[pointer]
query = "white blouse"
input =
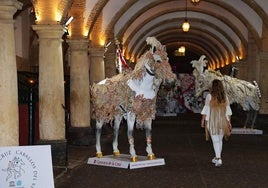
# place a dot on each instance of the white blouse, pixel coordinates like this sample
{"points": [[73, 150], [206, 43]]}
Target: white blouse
{"points": [[206, 108]]}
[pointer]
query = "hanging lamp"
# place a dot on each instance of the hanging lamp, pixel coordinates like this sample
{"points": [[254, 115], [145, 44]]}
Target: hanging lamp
{"points": [[185, 24]]}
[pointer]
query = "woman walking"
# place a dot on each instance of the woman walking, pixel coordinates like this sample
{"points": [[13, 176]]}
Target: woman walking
{"points": [[216, 116]]}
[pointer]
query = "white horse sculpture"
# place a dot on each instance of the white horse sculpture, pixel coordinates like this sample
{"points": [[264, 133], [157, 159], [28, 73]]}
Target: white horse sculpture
{"points": [[132, 96], [238, 91]]}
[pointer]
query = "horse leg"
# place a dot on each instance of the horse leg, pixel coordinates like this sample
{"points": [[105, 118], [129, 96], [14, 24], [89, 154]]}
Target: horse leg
{"points": [[254, 118], [117, 122], [148, 130], [130, 124], [247, 119], [99, 124]]}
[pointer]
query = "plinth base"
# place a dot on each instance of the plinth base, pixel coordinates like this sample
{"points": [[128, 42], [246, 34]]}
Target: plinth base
{"points": [[167, 114], [123, 161], [246, 131], [59, 151]]}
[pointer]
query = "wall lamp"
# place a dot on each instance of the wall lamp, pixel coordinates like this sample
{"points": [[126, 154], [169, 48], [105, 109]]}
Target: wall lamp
{"points": [[70, 19]]}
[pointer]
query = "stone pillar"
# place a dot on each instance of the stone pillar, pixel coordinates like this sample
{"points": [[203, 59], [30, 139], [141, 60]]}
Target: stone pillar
{"points": [[263, 82], [110, 64], [78, 133], [249, 68], [263, 67], [51, 91], [110, 57], [96, 62], [252, 61], [9, 126], [242, 70], [51, 82], [79, 84]]}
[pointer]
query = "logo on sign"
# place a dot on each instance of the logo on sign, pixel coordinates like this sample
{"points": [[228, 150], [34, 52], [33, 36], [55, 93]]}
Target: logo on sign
{"points": [[18, 169]]}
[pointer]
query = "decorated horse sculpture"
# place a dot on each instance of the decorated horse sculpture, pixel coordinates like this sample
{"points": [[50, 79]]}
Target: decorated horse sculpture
{"points": [[238, 91], [132, 96]]}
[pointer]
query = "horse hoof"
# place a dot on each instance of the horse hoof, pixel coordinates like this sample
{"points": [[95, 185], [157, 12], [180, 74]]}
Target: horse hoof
{"points": [[99, 155], [134, 159], [116, 153], [151, 157]]}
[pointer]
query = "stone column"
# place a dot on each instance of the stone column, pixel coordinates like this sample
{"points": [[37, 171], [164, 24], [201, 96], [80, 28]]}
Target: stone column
{"points": [[51, 91], [51, 82], [110, 66], [9, 126], [263, 74], [79, 84], [110, 57], [252, 60], [78, 133], [242, 70], [263, 82], [249, 67], [96, 63]]}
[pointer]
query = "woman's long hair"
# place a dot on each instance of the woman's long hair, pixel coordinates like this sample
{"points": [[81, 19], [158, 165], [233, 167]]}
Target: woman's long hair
{"points": [[217, 91]]}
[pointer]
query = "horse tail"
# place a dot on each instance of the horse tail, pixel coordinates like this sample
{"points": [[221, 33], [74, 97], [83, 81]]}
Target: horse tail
{"points": [[257, 88]]}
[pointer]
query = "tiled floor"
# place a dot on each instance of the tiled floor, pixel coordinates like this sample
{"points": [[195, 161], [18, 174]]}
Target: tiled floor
{"points": [[181, 142]]}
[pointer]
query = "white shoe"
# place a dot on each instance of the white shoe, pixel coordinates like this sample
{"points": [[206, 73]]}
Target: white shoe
{"points": [[218, 162], [214, 160]]}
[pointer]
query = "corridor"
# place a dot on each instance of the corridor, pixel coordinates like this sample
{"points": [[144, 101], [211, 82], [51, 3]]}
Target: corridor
{"points": [[181, 142]]}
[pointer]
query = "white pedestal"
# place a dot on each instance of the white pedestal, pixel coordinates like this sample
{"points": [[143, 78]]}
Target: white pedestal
{"points": [[123, 161], [246, 131], [167, 114]]}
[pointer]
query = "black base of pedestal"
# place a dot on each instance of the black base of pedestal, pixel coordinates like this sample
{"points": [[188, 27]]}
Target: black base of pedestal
{"points": [[59, 151], [81, 136]]}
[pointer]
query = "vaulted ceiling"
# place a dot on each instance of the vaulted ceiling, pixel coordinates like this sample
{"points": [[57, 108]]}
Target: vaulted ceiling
{"points": [[220, 29]]}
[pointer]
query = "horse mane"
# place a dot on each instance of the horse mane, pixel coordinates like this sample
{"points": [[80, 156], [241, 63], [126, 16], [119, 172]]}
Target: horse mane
{"points": [[216, 73], [242, 92], [154, 43], [139, 70]]}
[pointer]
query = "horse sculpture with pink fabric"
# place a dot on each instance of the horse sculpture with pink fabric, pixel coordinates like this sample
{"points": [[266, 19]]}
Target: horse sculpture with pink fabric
{"points": [[132, 96]]}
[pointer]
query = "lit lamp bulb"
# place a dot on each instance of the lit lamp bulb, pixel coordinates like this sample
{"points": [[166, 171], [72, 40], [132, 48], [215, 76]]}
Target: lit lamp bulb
{"points": [[195, 2], [181, 49], [185, 26]]}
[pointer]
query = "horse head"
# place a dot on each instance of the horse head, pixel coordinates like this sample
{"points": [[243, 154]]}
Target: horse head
{"points": [[18, 162], [160, 63]]}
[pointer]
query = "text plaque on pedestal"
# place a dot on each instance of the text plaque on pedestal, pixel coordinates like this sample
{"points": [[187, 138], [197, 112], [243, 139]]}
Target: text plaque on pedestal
{"points": [[123, 161]]}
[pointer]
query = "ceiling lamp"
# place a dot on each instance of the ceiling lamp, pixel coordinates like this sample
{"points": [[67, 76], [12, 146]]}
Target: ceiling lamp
{"points": [[185, 24], [195, 2], [180, 51]]}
